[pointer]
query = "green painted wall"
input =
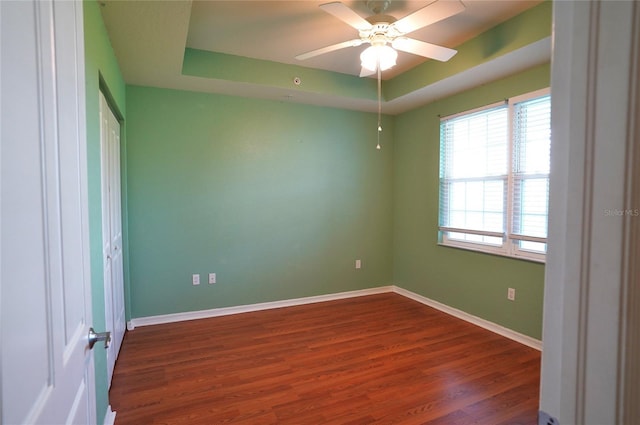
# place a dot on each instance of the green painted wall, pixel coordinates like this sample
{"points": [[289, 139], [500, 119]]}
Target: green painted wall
{"points": [[473, 282], [279, 199], [100, 64]]}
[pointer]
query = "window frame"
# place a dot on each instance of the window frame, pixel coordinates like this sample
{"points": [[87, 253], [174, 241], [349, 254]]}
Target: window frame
{"points": [[510, 240]]}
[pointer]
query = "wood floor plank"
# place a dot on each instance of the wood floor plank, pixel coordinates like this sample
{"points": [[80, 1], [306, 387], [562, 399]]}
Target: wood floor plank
{"points": [[379, 359]]}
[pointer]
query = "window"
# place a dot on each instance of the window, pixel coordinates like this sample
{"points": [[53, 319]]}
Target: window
{"points": [[494, 177]]}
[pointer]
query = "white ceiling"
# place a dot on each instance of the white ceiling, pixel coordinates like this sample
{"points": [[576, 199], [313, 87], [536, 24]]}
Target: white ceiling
{"points": [[149, 38]]}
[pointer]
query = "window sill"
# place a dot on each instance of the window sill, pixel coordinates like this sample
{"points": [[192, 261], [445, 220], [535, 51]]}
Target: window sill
{"points": [[491, 251]]}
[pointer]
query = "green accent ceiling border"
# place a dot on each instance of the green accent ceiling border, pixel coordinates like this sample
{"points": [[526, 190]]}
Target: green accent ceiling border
{"points": [[529, 27], [221, 66]]}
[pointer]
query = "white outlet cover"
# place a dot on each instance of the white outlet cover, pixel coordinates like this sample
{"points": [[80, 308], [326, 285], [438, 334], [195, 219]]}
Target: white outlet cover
{"points": [[358, 264], [195, 279], [212, 278]]}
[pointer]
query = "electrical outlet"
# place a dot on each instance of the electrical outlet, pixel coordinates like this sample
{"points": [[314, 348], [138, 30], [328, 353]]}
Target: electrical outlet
{"points": [[212, 278], [358, 264], [511, 294], [195, 279]]}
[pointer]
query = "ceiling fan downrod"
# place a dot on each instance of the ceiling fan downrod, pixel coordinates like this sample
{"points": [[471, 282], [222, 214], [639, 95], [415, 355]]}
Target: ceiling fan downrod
{"points": [[378, 6]]}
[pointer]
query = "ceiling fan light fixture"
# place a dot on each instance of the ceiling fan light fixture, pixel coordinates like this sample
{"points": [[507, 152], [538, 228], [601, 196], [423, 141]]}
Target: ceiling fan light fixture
{"points": [[384, 55]]}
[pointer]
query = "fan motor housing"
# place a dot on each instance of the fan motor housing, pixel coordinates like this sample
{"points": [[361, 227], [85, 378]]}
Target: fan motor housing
{"points": [[381, 26]]}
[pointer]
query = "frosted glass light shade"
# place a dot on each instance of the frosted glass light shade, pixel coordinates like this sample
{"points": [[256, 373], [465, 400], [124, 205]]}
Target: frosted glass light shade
{"points": [[386, 54]]}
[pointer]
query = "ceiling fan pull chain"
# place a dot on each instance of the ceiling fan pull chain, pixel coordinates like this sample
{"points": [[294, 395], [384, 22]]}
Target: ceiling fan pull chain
{"points": [[379, 104]]}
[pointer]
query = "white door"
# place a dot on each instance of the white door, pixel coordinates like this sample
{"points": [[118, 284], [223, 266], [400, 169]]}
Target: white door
{"points": [[112, 231], [47, 368]]}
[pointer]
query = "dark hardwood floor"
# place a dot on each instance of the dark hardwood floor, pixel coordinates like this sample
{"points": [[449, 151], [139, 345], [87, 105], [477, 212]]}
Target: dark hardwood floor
{"points": [[379, 359]]}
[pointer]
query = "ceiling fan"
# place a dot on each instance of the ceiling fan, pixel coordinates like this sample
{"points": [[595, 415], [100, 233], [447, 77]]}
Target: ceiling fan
{"points": [[386, 34]]}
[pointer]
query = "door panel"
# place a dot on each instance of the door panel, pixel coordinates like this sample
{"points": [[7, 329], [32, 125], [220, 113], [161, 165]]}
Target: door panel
{"points": [[47, 369], [119, 325], [23, 284]]}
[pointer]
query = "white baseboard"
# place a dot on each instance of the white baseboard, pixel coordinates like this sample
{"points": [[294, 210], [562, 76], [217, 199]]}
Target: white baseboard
{"points": [[493, 327], [224, 311], [110, 416]]}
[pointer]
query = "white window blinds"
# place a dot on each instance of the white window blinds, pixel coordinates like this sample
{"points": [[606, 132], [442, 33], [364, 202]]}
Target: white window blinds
{"points": [[473, 175], [532, 144], [494, 177]]}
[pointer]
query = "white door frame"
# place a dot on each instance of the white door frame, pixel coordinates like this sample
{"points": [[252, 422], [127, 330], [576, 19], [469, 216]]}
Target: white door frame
{"points": [[590, 373]]}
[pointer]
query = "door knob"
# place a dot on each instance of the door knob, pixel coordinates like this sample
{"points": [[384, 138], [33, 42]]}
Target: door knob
{"points": [[100, 336]]}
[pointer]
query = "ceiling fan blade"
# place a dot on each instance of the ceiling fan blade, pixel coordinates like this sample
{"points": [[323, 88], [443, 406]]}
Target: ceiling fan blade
{"points": [[351, 43], [364, 72], [345, 14], [420, 48], [431, 13]]}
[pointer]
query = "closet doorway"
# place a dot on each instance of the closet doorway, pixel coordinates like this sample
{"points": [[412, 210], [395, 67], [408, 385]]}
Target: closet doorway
{"points": [[112, 231]]}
